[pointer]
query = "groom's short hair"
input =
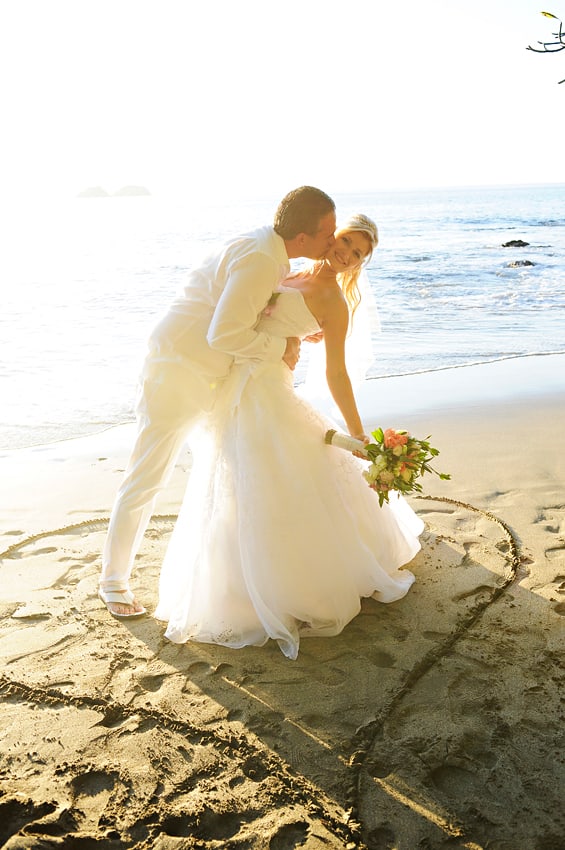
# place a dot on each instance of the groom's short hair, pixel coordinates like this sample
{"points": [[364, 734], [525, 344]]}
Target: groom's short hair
{"points": [[301, 211]]}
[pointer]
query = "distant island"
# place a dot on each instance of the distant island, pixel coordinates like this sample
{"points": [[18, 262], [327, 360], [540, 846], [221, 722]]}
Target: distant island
{"points": [[125, 191], [132, 190], [94, 192]]}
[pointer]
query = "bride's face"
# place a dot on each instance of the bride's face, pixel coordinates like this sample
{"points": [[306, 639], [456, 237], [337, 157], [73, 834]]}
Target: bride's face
{"points": [[349, 250]]}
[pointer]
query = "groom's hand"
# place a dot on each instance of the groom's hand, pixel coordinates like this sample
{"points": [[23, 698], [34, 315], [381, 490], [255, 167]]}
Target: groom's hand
{"points": [[292, 352]]}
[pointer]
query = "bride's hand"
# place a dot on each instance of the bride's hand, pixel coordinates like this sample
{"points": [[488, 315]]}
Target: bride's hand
{"points": [[317, 337], [365, 440]]}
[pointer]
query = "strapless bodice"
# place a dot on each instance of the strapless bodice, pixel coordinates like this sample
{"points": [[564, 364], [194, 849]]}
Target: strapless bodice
{"points": [[287, 315]]}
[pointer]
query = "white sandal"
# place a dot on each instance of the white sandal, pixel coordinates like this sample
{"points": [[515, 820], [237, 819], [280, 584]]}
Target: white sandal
{"points": [[120, 597]]}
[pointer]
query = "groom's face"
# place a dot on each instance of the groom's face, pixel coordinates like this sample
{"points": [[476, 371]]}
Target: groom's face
{"points": [[315, 247]]}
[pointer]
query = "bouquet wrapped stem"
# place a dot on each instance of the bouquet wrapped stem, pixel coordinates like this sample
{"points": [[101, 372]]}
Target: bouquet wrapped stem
{"points": [[397, 460], [344, 441]]}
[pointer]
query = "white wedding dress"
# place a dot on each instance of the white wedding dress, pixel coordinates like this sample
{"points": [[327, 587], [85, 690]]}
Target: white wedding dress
{"points": [[279, 535]]}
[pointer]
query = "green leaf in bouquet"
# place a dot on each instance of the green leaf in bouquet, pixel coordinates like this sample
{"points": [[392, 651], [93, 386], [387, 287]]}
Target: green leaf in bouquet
{"points": [[379, 435]]}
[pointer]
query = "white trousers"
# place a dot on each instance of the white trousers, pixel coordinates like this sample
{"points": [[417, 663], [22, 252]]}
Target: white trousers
{"points": [[172, 398]]}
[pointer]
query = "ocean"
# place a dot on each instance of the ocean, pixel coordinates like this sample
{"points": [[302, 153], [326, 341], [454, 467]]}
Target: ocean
{"points": [[84, 281]]}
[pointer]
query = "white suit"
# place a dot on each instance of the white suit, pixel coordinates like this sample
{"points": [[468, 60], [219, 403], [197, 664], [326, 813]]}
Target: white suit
{"points": [[207, 328]]}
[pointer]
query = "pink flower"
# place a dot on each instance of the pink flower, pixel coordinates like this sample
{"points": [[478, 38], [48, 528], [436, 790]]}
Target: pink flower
{"points": [[394, 438]]}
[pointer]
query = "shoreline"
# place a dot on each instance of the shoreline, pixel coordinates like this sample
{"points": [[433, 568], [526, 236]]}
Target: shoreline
{"points": [[85, 471], [432, 720], [438, 388]]}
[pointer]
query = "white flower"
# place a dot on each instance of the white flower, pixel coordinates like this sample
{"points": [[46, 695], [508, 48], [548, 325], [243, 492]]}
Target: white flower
{"points": [[378, 465], [372, 473]]}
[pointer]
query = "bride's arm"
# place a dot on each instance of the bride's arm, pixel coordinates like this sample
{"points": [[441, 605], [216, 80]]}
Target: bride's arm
{"points": [[335, 327]]}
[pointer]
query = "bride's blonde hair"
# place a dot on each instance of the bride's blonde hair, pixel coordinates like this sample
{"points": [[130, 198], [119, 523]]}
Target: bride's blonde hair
{"points": [[348, 281]]}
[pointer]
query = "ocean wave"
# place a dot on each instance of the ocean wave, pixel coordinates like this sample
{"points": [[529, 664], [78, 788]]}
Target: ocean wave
{"points": [[468, 364]]}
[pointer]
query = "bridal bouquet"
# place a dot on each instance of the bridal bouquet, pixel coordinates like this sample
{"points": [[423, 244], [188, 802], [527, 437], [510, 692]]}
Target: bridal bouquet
{"points": [[397, 460]]}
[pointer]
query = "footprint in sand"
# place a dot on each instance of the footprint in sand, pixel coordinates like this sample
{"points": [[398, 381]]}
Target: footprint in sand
{"points": [[255, 769], [560, 582], [554, 518], [16, 553], [197, 668], [265, 723], [377, 767], [455, 781], [382, 838], [482, 590], [554, 514], [504, 498], [152, 682], [380, 658], [289, 836], [31, 614], [15, 814], [86, 559], [207, 825], [91, 793], [224, 669]]}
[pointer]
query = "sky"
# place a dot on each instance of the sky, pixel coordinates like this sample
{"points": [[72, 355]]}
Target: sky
{"points": [[241, 98]]}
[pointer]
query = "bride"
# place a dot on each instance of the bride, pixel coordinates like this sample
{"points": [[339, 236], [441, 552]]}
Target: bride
{"points": [[279, 535]]}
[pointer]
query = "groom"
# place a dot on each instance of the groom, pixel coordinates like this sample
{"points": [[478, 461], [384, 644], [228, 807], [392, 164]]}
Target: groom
{"points": [[207, 328]]}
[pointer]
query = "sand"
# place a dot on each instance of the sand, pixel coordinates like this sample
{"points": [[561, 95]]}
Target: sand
{"points": [[434, 722]]}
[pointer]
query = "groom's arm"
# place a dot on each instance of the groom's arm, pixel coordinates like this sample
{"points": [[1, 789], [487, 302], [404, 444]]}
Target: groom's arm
{"points": [[249, 286]]}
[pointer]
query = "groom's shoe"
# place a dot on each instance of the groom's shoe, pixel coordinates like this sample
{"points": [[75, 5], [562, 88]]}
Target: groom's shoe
{"points": [[118, 600]]}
